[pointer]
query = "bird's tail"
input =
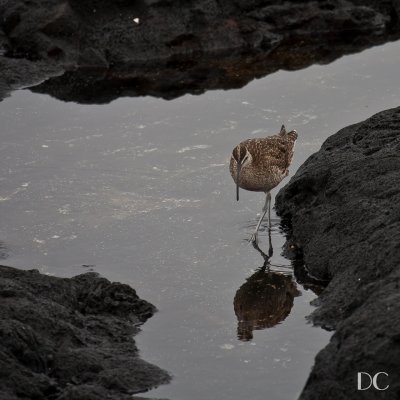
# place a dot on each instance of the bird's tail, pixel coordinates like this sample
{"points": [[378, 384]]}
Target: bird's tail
{"points": [[290, 138]]}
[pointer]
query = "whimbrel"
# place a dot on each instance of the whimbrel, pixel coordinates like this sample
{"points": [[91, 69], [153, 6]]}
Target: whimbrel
{"points": [[260, 164]]}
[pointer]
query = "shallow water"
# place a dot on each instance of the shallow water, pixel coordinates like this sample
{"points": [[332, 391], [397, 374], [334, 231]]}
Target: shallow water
{"points": [[139, 191]]}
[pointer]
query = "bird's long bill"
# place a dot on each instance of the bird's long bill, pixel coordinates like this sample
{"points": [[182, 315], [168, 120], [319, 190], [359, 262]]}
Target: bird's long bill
{"points": [[238, 167]]}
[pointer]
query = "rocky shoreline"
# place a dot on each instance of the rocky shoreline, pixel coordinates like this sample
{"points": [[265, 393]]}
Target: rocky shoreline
{"points": [[97, 51], [342, 206], [71, 338]]}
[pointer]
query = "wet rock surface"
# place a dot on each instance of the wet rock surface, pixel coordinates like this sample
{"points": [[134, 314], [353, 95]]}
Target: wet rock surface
{"points": [[170, 48], [343, 206], [71, 338]]}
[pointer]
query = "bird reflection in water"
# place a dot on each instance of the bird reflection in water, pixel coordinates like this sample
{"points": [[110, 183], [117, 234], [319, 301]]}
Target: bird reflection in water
{"points": [[265, 299]]}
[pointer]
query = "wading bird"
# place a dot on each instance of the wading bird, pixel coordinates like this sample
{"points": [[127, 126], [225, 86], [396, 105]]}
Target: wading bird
{"points": [[260, 164]]}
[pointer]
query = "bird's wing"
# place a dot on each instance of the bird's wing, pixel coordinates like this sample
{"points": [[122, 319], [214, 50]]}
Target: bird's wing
{"points": [[274, 151], [291, 138], [271, 151]]}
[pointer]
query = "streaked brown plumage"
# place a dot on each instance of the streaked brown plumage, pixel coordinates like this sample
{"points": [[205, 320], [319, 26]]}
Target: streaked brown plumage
{"points": [[260, 164]]}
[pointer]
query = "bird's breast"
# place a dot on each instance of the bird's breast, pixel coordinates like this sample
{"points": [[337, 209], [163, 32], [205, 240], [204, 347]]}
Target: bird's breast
{"points": [[254, 178]]}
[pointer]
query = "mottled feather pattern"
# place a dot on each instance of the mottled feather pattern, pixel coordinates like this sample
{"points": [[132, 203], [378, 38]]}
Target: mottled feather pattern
{"points": [[269, 162]]}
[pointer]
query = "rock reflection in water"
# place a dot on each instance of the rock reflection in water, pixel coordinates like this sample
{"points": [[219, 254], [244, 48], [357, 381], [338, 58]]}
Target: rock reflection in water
{"points": [[293, 252], [264, 300]]}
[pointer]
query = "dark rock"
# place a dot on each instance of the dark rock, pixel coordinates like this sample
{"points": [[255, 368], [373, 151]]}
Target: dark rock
{"points": [[71, 338], [170, 48], [344, 209], [19, 73]]}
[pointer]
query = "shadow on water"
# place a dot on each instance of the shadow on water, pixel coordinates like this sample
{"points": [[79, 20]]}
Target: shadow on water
{"points": [[267, 296]]}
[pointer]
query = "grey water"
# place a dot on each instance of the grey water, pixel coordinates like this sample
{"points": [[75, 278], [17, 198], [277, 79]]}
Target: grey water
{"points": [[139, 191]]}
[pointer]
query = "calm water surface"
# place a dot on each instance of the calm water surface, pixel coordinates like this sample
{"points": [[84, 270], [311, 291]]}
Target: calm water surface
{"points": [[139, 191]]}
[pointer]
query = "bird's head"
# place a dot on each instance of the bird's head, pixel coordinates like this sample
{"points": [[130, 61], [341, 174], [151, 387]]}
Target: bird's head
{"points": [[242, 157]]}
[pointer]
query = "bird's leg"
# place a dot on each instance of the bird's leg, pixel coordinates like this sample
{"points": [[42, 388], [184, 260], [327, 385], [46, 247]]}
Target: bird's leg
{"points": [[254, 236], [269, 210], [264, 256], [270, 249]]}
